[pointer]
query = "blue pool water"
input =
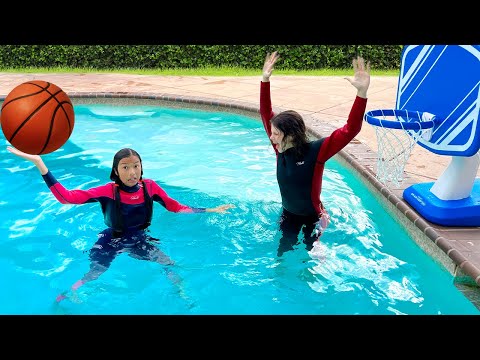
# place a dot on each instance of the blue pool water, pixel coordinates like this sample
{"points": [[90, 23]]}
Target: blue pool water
{"points": [[367, 263]]}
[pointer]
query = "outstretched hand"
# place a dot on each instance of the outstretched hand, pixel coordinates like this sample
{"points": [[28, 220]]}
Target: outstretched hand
{"points": [[361, 77], [270, 61], [35, 159], [221, 208], [29, 157]]}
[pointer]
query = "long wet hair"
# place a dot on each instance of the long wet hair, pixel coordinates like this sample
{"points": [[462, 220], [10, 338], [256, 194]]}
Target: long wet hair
{"points": [[291, 123], [122, 154]]}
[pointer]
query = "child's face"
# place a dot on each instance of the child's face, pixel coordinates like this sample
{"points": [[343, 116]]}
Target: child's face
{"points": [[129, 170]]}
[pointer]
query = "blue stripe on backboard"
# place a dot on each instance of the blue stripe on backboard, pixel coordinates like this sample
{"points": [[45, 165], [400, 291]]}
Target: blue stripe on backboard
{"points": [[444, 80]]}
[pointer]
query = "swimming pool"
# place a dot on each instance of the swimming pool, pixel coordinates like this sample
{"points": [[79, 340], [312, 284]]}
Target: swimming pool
{"points": [[368, 263]]}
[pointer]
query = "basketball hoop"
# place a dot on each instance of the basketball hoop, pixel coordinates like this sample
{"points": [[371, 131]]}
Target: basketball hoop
{"points": [[395, 147]]}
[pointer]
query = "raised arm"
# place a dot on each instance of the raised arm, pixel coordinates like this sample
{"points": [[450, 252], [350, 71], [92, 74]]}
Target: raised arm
{"points": [[268, 66], [265, 100], [342, 136], [361, 77], [62, 194]]}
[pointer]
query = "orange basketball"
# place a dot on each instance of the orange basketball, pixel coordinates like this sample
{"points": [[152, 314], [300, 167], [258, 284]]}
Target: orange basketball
{"points": [[37, 117]]}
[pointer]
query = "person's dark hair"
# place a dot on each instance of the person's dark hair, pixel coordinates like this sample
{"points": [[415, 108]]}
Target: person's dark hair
{"points": [[291, 123], [122, 154]]}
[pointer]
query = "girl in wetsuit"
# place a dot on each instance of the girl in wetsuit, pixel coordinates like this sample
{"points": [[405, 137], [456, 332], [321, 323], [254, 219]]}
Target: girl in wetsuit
{"points": [[127, 206], [300, 162]]}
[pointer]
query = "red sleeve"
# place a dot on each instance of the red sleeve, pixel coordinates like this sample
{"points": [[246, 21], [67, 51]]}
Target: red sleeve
{"points": [[159, 195], [65, 196], [266, 108], [339, 138]]}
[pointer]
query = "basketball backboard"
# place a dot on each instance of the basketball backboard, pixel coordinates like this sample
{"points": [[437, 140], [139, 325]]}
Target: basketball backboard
{"points": [[444, 80]]}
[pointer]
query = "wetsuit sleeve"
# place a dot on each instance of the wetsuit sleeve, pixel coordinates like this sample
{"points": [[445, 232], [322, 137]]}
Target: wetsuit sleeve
{"points": [[266, 111], [66, 196], [342, 136], [159, 195]]}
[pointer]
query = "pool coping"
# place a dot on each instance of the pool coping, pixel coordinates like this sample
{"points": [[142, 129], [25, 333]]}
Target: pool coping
{"points": [[464, 264]]}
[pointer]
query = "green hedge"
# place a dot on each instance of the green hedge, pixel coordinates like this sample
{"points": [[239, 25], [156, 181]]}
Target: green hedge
{"points": [[294, 57]]}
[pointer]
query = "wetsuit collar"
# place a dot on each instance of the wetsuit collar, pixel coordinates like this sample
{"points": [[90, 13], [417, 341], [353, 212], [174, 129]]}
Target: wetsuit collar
{"points": [[129, 189]]}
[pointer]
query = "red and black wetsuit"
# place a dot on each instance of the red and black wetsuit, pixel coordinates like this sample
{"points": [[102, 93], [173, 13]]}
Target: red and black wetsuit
{"points": [[134, 209], [300, 180]]}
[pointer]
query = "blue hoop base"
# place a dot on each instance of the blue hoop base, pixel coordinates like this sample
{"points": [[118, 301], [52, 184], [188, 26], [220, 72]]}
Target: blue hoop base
{"points": [[464, 212]]}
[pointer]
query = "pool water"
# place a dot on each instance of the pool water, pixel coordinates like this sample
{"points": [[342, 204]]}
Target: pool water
{"points": [[367, 263]]}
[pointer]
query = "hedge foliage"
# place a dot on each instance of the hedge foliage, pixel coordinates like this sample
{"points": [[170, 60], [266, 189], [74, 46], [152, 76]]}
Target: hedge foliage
{"points": [[294, 57]]}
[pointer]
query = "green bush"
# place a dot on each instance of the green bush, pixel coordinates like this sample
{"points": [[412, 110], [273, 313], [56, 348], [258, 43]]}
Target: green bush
{"points": [[102, 57]]}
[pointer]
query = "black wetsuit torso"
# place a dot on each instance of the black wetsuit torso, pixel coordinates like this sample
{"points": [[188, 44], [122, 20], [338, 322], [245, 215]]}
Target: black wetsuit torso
{"points": [[295, 177]]}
